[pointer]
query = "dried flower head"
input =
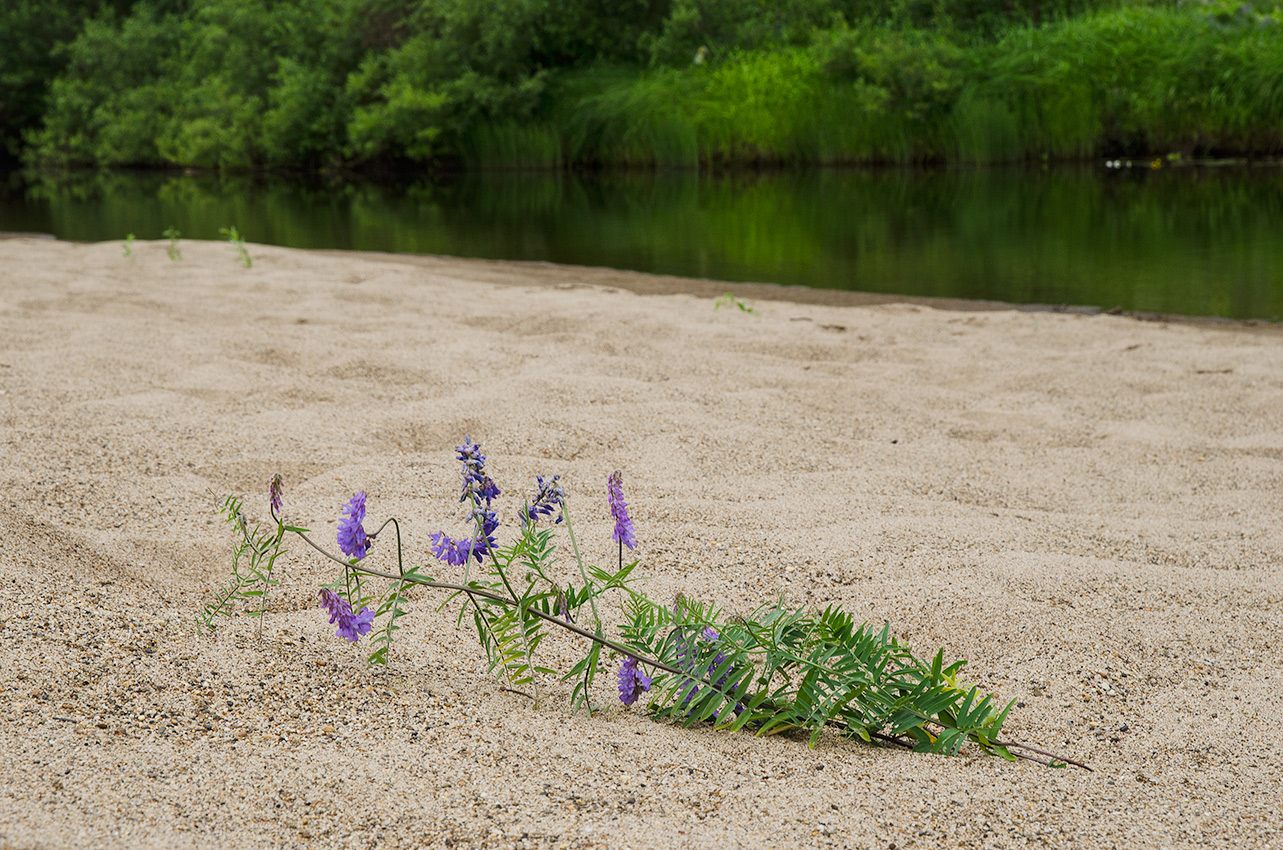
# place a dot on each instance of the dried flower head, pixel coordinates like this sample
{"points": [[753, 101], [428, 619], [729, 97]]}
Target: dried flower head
{"points": [[563, 605], [353, 541], [274, 495], [623, 533]]}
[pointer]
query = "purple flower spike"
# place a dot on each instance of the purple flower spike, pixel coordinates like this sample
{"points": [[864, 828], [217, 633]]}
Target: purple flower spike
{"points": [[483, 539], [274, 495], [548, 499], [351, 626], [623, 533], [632, 681], [456, 552], [353, 540], [334, 604], [451, 551], [356, 625], [477, 486]]}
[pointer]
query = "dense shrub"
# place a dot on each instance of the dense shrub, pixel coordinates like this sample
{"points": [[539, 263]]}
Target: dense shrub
{"points": [[230, 83], [32, 36]]}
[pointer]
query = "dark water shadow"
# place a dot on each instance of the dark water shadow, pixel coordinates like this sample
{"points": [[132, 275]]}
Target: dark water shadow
{"points": [[1192, 241]]}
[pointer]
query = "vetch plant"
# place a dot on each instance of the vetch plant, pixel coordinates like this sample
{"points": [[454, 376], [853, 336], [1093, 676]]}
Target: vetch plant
{"points": [[776, 669], [633, 681], [129, 245], [237, 244]]}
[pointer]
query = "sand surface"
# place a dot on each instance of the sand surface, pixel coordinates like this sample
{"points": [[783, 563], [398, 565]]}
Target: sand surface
{"points": [[1086, 507]]}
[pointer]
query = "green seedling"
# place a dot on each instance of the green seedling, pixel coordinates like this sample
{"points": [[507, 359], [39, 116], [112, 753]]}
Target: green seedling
{"points": [[172, 234], [728, 299], [238, 244]]}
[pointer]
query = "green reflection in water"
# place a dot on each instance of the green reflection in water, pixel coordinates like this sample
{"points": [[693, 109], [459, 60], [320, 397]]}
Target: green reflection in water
{"points": [[1197, 241]]}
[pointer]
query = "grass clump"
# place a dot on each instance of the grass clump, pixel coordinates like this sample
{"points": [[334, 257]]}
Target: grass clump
{"points": [[1130, 81]]}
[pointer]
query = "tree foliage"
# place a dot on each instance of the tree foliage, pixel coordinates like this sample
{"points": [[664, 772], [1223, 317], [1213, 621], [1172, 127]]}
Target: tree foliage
{"points": [[238, 84]]}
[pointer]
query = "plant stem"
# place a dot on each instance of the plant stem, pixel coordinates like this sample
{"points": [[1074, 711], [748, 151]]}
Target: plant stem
{"points": [[592, 596], [503, 600], [598, 638]]}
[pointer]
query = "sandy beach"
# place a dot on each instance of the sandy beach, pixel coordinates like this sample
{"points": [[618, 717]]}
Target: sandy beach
{"points": [[1086, 507]]}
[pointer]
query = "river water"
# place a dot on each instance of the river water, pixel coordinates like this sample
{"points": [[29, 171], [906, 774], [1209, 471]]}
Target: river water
{"points": [[1197, 240]]}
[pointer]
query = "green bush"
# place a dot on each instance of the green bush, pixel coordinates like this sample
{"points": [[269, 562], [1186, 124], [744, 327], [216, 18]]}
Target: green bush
{"points": [[109, 104], [232, 83], [626, 118], [711, 29], [477, 62], [921, 72], [30, 35]]}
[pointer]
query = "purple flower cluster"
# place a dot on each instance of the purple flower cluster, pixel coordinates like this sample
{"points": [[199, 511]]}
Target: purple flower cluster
{"points": [[456, 552], [351, 626], [688, 657], [549, 498], [274, 495], [353, 540], [481, 490], [477, 486], [623, 533], [632, 681]]}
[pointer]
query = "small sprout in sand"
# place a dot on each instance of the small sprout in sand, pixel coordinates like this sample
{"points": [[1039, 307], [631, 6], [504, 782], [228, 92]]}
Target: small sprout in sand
{"points": [[237, 244], [728, 299], [129, 245], [252, 562], [172, 234]]}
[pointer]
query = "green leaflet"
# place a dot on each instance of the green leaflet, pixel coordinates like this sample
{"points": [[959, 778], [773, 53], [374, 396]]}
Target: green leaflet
{"points": [[779, 669], [253, 559]]}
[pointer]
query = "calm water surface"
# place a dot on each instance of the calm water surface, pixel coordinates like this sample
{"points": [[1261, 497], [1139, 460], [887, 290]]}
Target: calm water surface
{"points": [[1198, 241]]}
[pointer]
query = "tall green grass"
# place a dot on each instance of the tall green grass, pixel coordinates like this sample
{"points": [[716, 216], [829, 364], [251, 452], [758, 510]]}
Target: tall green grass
{"points": [[1139, 80], [755, 108], [621, 117], [507, 144], [1135, 80]]}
